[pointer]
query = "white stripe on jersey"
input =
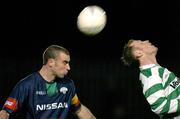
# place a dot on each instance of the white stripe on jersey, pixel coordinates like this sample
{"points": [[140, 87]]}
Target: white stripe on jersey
{"points": [[173, 106]]}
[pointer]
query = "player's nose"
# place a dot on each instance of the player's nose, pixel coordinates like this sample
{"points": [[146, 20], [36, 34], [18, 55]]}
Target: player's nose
{"points": [[68, 67], [147, 41]]}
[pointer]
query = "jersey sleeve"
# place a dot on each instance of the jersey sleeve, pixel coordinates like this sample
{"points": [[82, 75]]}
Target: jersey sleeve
{"points": [[75, 102], [16, 98]]}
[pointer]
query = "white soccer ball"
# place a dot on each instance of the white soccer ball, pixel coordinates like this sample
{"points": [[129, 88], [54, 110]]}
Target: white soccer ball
{"points": [[91, 20]]}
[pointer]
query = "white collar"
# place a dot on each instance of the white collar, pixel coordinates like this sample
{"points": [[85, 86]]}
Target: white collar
{"points": [[147, 66]]}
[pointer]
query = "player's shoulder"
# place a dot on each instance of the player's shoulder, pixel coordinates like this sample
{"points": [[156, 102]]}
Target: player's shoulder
{"points": [[67, 80], [28, 80]]}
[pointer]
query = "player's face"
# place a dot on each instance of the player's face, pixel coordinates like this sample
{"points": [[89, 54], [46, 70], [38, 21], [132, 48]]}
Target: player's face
{"points": [[61, 65], [144, 47]]}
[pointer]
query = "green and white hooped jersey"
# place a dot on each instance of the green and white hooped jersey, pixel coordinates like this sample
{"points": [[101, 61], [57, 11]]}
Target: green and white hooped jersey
{"points": [[161, 89]]}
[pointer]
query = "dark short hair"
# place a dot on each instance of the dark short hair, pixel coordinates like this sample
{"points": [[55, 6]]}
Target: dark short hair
{"points": [[52, 52], [127, 54]]}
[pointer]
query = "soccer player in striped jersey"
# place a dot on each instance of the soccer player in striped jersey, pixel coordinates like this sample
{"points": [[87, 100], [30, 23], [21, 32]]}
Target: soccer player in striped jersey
{"points": [[48, 93], [161, 87]]}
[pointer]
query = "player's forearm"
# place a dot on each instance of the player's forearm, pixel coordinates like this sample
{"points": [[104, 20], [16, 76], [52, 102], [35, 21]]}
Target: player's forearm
{"points": [[85, 113], [4, 114]]}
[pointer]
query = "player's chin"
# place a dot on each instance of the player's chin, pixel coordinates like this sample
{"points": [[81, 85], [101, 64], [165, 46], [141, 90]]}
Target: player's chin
{"points": [[61, 76], [156, 49]]}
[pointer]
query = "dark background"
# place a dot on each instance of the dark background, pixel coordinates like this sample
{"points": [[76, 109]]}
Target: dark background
{"points": [[107, 87]]}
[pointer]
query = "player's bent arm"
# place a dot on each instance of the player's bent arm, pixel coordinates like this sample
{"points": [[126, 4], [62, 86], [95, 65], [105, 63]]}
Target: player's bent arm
{"points": [[84, 113], [4, 114]]}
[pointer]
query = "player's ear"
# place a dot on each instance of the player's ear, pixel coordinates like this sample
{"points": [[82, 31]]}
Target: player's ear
{"points": [[138, 53], [51, 62]]}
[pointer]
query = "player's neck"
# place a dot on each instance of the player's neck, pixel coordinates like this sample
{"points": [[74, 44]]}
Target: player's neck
{"points": [[46, 74], [147, 60]]}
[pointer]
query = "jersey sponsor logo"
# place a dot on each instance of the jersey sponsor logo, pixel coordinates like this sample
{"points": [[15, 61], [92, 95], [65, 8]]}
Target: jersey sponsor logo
{"points": [[63, 90], [11, 103], [40, 92], [52, 106], [174, 84]]}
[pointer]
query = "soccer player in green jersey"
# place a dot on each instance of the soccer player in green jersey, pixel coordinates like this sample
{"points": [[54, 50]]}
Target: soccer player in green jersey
{"points": [[160, 86]]}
